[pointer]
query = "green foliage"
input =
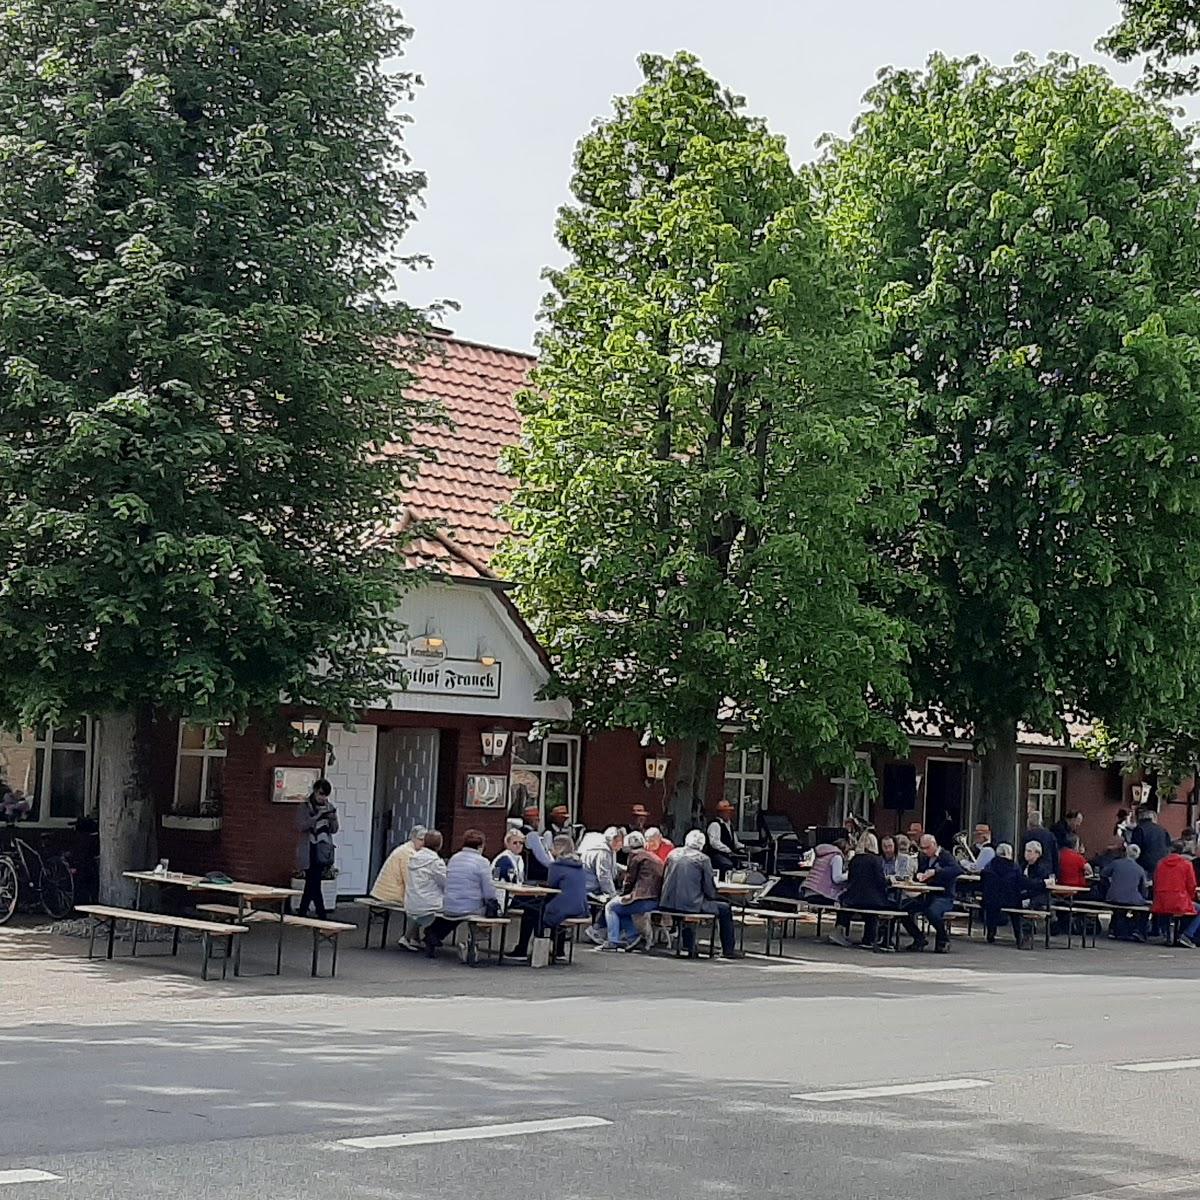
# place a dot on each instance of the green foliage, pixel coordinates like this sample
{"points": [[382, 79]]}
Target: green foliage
{"points": [[1165, 31], [1028, 235], [707, 445], [197, 201]]}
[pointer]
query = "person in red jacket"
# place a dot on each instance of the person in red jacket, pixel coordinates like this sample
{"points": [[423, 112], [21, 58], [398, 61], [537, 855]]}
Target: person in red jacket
{"points": [[1175, 892], [1073, 869]]}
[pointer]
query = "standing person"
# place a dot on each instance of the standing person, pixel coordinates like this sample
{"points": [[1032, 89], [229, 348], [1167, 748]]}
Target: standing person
{"points": [[1068, 826], [318, 821], [426, 891], [392, 881], [1125, 825], [657, 844], [537, 852], [1001, 883], [1151, 838], [1175, 895], [640, 891], [721, 844], [470, 892], [939, 869], [639, 818], [559, 825], [688, 887], [1037, 832]]}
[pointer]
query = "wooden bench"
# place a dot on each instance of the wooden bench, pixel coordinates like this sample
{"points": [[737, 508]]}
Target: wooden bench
{"points": [[670, 920], [1033, 916], [322, 931], [574, 927], [774, 923], [379, 910], [103, 914], [489, 925]]}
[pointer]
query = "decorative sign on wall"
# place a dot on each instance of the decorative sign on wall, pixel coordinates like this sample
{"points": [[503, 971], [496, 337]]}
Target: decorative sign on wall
{"points": [[452, 677], [292, 784], [486, 791]]}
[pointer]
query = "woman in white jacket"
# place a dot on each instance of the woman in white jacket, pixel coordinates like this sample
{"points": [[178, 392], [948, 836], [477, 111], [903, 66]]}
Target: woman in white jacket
{"points": [[425, 891]]}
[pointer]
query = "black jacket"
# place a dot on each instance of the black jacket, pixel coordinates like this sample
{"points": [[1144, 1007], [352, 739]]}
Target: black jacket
{"points": [[1048, 843], [1033, 886], [1003, 887], [946, 869], [866, 885], [1155, 844]]}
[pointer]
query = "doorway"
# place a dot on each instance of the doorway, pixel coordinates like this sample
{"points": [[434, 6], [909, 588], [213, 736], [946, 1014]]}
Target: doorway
{"points": [[945, 798], [406, 772]]}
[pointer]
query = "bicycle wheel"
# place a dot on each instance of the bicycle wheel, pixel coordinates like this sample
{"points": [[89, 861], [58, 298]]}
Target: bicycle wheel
{"points": [[9, 889], [58, 888]]}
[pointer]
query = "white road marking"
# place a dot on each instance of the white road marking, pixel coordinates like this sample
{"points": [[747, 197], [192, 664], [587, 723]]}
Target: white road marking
{"points": [[472, 1133], [1174, 1064], [893, 1089], [27, 1176]]}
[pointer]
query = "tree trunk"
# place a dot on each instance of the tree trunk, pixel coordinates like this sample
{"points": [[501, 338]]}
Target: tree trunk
{"points": [[999, 776], [684, 793], [127, 816]]}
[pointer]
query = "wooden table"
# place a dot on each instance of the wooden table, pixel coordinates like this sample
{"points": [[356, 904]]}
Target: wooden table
{"points": [[1062, 889], [530, 891], [248, 895], [917, 889], [740, 892]]}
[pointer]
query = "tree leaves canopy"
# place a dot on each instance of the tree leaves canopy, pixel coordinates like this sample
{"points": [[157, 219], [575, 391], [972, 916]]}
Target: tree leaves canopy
{"points": [[1029, 237], [197, 202], [707, 446], [1165, 31]]}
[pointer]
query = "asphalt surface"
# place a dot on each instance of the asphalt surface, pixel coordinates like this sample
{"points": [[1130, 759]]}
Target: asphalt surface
{"points": [[691, 1079]]}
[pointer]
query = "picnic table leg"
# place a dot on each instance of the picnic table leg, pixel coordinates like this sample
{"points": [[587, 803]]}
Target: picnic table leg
{"points": [[112, 934], [133, 944], [500, 956], [92, 939], [205, 947], [333, 965], [316, 946], [387, 920], [279, 941], [367, 938], [237, 954], [175, 943]]}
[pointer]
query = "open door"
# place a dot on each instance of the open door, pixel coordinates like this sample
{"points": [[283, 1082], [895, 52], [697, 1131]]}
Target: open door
{"points": [[406, 768]]}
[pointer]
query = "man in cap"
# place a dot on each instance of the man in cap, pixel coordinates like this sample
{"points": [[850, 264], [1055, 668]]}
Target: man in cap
{"points": [[722, 845]]}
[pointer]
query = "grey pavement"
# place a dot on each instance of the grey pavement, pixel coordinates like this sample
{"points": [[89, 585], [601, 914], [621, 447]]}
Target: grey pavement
{"points": [[135, 1079]]}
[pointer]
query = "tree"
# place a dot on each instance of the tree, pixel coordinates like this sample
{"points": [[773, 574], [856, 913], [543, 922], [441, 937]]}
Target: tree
{"points": [[1166, 31], [1029, 237], [197, 202], [707, 448]]}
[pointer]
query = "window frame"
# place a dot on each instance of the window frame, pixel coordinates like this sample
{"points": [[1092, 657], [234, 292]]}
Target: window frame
{"points": [[845, 786], [48, 745], [744, 776], [207, 754], [1036, 797], [544, 769]]}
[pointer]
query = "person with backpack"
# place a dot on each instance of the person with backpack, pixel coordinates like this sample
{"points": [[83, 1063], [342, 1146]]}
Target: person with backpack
{"points": [[318, 822]]}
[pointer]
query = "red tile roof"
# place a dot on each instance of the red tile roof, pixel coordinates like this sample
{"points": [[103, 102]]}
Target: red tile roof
{"points": [[461, 492]]}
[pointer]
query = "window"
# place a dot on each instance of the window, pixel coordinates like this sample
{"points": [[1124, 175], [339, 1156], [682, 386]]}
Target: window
{"points": [[849, 798], [52, 766], [200, 770], [746, 776], [544, 772], [1045, 783]]}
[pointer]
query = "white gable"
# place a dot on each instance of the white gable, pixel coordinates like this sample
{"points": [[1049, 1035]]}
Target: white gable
{"points": [[472, 622]]}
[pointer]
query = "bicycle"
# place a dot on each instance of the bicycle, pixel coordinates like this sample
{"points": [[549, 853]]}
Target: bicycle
{"points": [[25, 874]]}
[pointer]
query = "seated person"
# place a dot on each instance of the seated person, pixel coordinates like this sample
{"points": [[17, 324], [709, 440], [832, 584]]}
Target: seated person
{"points": [[392, 879], [1110, 854], [640, 891], [570, 878], [723, 846], [1001, 883], [1175, 894], [1073, 868], [982, 850], [598, 853], [470, 892], [939, 869], [425, 890], [866, 887], [827, 879], [688, 887], [657, 844], [887, 851], [906, 860], [1034, 890], [1126, 887], [509, 865]]}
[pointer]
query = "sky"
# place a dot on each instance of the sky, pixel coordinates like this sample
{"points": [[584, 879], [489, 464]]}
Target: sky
{"points": [[509, 88]]}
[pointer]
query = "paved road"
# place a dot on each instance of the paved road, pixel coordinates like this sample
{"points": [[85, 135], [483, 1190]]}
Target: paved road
{"points": [[698, 1080]]}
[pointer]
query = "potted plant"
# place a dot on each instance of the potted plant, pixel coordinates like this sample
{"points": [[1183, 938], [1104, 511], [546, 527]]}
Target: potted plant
{"points": [[329, 891]]}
